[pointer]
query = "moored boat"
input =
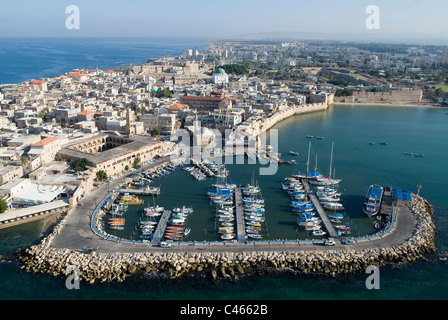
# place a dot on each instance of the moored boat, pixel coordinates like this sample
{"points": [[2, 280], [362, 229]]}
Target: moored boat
{"points": [[333, 206], [372, 201]]}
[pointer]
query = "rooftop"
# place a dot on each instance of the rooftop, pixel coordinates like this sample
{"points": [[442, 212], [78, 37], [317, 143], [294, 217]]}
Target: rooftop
{"points": [[44, 142]]}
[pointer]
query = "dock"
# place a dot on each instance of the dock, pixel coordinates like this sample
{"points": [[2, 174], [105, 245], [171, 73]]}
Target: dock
{"points": [[160, 230], [322, 214], [239, 216], [143, 192]]}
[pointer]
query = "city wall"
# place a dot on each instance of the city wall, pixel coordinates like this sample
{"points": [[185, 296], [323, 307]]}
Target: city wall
{"points": [[291, 111], [410, 96]]}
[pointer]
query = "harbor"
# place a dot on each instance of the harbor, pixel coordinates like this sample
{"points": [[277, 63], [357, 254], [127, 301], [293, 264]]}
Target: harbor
{"points": [[287, 245]]}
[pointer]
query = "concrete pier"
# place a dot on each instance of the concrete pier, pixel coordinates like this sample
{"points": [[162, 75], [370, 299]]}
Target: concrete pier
{"points": [[160, 230], [239, 215], [144, 192], [328, 225]]}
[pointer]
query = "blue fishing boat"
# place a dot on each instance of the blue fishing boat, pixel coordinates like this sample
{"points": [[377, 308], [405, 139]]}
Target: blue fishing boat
{"points": [[372, 201]]}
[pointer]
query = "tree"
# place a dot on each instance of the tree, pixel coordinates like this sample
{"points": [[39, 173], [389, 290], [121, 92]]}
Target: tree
{"points": [[235, 69], [24, 160], [3, 206], [101, 175], [80, 164], [137, 161], [343, 92], [155, 132]]}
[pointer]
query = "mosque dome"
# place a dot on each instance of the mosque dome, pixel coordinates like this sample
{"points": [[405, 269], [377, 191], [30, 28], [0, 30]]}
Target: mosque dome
{"points": [[220, 71]]}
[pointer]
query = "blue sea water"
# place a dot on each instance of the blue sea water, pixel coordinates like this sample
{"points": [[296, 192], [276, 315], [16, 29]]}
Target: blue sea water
{"points": [[33, 58], [359, 164]]}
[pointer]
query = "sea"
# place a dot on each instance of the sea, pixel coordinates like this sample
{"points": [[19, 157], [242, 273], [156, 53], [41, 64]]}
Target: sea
{"points": [[359, 162]]}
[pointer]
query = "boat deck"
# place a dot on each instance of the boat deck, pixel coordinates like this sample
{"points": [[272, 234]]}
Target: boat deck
{"points": [[322, 214]]}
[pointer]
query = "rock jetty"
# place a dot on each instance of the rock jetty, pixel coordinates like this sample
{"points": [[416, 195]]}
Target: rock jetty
{"points": [[97, 267]]}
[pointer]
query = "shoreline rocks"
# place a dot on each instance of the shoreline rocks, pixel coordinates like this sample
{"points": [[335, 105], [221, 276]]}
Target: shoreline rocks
{"points": [[97, 267]]}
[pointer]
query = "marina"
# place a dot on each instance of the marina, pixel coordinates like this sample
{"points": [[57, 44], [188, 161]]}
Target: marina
{"points": [[352, 227]]}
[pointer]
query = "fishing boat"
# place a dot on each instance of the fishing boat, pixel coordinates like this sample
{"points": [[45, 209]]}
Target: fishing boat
{"points": [[148, 223], [187, 231], [129, 200], [372, 201], [408, 154], [114, 227], [320, 137], [343, 227], [333, 206], [319, 232], [183, 210], [228, 236], [309, 136], [255, 236], [336, 216], [293, 153], [419, 155]]}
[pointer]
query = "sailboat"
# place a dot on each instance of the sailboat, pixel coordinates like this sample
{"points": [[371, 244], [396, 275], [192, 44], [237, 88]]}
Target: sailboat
{"points": [[309, 175], [326, 181]]}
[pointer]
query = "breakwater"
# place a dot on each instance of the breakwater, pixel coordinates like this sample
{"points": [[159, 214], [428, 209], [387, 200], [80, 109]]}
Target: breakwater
{"points": [[107, 267]]}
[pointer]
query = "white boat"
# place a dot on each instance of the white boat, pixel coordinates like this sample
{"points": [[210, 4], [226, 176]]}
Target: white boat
{"points": [[319, 232], [333, 206], [373, 199], [176, 222], [329, 199], [326, 181], [337, 216], [228, 236], [187, 231]]}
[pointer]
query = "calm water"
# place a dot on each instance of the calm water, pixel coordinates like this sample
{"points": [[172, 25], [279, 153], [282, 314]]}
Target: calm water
{"points": [[359, 164], [33, 58]]}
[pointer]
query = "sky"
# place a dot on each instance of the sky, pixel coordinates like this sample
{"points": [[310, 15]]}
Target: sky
{"points": [[223, 19]]}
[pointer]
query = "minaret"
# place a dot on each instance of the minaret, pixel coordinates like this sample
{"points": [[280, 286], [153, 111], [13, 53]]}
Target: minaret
{"points": [[129, 123]]}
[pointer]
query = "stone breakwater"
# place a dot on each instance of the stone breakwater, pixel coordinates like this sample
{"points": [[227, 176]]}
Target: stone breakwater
{"points": [[109, 267]]}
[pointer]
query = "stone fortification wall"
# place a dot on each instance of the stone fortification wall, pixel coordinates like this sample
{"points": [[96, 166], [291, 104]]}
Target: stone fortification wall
{"points": [[291, 111], [411, 96]]}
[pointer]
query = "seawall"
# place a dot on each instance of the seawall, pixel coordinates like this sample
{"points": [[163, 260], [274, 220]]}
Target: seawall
{"points": [[107, 267], [291, 111]]}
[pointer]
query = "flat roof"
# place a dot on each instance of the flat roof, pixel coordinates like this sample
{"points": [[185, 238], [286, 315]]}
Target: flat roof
{"points": [[34, 193], [137, 142], [14, 214]]}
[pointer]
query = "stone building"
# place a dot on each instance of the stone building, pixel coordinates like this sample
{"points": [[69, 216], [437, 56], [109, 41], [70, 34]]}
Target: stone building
{"points": [[112, 153]]}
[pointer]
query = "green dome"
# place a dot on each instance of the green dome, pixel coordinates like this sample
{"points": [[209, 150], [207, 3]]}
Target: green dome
{"points": [[220, 71]]}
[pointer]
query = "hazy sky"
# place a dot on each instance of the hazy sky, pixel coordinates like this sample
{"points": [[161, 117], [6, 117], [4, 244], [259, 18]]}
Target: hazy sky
{"points": [[218, 19]]}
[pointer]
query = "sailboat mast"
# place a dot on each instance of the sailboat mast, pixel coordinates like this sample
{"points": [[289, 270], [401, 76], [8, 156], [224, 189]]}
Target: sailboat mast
{"points": [[331, 158], [308, 162]]}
